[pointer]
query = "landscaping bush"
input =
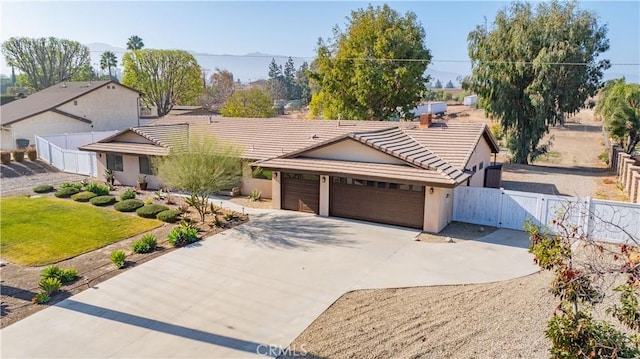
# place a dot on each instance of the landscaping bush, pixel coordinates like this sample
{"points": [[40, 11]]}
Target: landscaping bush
{"points": [[151, 210], [50, 285], [5, 157], [65, 275], [66, 192], [128, 205], [146, 244], [98, 189], [43, 188], [183, 235], [32, 153], [102, 200], [83, 196], [18, 155], [128, 194], [77, 186], [170, 215], [41, 298], [118, 258]]}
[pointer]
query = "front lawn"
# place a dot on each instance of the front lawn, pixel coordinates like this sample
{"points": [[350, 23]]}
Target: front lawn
{"points": [[44, 230]]}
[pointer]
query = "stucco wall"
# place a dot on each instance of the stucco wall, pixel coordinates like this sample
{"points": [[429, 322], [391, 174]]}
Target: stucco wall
{"points": [[276, 198], [262, 185], [130, 172], [482, 153], [351, 150], [438, 209], [113, 108], [43, 124]]}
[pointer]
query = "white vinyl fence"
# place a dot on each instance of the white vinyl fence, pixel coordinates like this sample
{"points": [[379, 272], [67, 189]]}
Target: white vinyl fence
{"points": [[61, 151], [604, 220]]}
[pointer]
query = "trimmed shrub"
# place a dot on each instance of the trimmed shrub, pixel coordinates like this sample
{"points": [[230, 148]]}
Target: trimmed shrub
{"points": [[50, 285], [151, 210], [103, 200], [128, 205], [32, 153], [5, 157], [43, 188], [118, 258], [170, 215], [183, 235], [128, 194], [66, 192], [41, 298], [18, 155], [65, 275], [77, 186], [145, 244], [83, 196], [98, 189]]}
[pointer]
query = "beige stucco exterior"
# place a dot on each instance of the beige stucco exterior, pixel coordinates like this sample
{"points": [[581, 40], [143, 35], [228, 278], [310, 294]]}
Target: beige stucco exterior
{"points": [[130, 172], [438, 209], [111, 107], [324, 196], [481, 154], [276, 188], [263, 185], [351, 150]]}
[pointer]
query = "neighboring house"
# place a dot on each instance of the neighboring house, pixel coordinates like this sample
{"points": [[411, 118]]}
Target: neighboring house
{"points": [[191, 111], [395, 173], [69, 107]]}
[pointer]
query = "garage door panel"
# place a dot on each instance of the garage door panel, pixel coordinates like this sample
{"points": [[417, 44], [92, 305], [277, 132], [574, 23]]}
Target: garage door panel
{"points": [[372, 203], [299, 194]]}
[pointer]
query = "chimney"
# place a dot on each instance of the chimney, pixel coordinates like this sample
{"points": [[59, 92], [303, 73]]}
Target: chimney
{"points": [[425, 120]]}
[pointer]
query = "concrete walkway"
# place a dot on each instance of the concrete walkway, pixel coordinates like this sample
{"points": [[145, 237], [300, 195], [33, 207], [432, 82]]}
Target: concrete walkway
{"points": [[253, 289]]}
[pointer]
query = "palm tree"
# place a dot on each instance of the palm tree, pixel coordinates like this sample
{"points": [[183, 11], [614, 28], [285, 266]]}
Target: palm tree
{"points": [[107, 61], [135, 43]]}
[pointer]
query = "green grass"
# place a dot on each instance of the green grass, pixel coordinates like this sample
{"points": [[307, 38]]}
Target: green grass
{"points": [[39, 231]]}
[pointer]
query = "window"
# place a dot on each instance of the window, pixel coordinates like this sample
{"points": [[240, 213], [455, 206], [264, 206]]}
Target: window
{"points": [[369, 183], [404, 187], [481, 166], [114, 162], [474, 169], [75, 103], [382, 184], [417, 188], [145, 165], [393, 186]]}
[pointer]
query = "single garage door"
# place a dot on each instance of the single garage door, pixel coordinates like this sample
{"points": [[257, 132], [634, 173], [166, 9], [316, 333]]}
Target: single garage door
{"points": [[300, 192], [382, 202]]}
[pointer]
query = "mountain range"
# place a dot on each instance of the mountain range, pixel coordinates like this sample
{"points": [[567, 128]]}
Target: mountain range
{"points": [[249, 67]]}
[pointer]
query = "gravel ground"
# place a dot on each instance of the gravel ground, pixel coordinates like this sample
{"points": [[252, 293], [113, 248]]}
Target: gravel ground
{"points": [[20, 178]]}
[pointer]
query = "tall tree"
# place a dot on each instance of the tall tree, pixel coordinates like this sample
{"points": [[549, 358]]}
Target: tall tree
{"points": [[277, 84], [165, 77], [438, 84], [221, 89], [619, 106], [534, 67], [302, 83], [45, 61], [134, 43], [449, 85], [289, 75], [252, 102], [107, 61], [373, 70]]}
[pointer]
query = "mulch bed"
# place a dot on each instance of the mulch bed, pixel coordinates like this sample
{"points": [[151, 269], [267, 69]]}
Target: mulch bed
{"points": [[19, 284]]}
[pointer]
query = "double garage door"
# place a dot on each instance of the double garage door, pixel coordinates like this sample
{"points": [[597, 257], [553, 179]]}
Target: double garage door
{"points": [[374, 201]]}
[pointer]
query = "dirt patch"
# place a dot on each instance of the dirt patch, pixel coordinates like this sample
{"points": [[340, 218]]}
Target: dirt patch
{"points": [[496, 320], [246, 202], [456, 232], [20, 283]]}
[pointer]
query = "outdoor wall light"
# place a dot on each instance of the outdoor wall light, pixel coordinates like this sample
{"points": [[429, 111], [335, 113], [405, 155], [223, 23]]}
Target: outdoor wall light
{"points": [[275, 174], [324, 179], [431, 190]]}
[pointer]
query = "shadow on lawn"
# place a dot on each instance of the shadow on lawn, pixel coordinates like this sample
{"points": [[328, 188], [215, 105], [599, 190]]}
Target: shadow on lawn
{"points": [[293, 230]]}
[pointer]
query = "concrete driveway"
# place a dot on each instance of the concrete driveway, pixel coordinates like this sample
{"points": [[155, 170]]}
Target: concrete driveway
{"points": [[251, 290]]}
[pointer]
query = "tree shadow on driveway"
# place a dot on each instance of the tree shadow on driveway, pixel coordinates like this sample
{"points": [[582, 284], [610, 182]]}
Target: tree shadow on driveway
{"points": [[294, 231]]}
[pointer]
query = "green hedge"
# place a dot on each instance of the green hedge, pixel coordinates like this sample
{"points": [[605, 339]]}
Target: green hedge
{"points": [[151, 210], [102, 200], [43, 188], [128, 205], [83, 196], [66, 192], [170, 215]]}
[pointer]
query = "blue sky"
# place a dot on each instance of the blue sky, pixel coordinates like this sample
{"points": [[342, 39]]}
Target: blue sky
{"points": [[289, 28]]}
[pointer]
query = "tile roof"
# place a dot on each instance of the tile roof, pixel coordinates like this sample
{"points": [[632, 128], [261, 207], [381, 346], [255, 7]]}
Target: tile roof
{"points": [[163, 137], [48, 99]]}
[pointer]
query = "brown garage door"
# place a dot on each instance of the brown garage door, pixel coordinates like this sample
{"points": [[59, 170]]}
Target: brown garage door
{"points": [[381, 202], [301, 192]]}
